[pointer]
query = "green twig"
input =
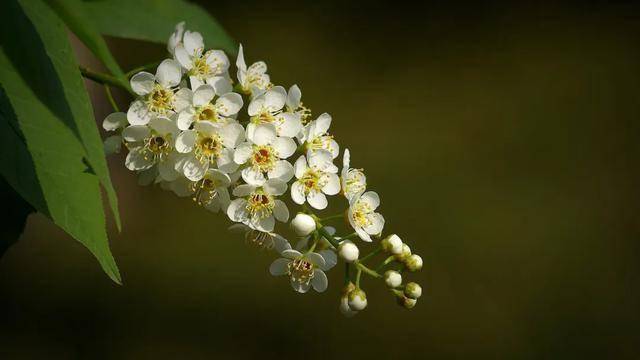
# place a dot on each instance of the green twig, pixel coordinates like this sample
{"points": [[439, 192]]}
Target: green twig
{"points": [[112, 101], [332, 217], [323, 231], [105, 79], [371, 254], [368, 271]]}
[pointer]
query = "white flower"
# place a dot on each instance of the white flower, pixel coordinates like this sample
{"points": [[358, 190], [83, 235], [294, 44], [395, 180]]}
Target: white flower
{"points": [[315, 179], [294, 104], [114, 122], [348, 251], [261, 239], [198, 106], [253, 80], [304, 270], [264, 153], [156, 92], [257, 206], [175, 38], [212, 191], [201, 67], [354, 182], [362, 216], [152, 144], [392, 278], [315, 137], [208, 144], [303, 224], [267, 108]]}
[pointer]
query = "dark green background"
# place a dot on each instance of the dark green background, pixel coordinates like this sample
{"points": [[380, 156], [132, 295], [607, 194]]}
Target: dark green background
{"points": [[503, 140]]}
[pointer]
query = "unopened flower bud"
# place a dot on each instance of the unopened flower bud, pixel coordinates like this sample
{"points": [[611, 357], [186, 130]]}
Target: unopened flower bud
{"points": [[412, 290], [413, 262], [303, 224], [348, 251], [357, 300], [345, 309], [392, 278], [406, 302], [404, 254], [392, 244]]}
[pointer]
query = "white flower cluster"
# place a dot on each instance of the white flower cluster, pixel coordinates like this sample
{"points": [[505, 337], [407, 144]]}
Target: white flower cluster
{"points": [[188, 132]]}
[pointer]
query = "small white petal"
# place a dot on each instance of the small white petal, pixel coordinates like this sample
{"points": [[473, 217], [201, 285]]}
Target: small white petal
{"points": [[253, 176], [229, 104], [332, 186], [297, 193], [319, 281], [291, 254], [315, 259], [377, 224], [232, 135], [243, 153], [135, 133], [136, 160], [183, 99], [225, 161], [264, 134], [221, 84], [330, 259], [279, 267], [203, 95], [138, 113], [185, 119], [163, 125], [371, 198], [265, 224], [112, 144], [169, 73], [183, 57], [193, 42], [237, 210], [293, 97], [167, 171], [300, 167], [193, 169], [280, 211], [142, 83], [283, 170], [275, 98], [114, 121], [185, 141], [275, 187], [243, 190], [317, 200], [284, 146], [290, 125]]}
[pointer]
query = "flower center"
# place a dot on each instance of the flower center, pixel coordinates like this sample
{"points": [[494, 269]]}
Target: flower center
{"points": [[207, 113], [264, 117], [264, 158], [360, 212], [321, 143], [204, 190], [201, 68], [208, 148], [156, 147], [301, 271], [260, 204], [312, 180], [160, 100]]}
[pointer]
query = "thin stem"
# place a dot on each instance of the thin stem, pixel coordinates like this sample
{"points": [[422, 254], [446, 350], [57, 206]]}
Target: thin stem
{"points": [[358, 273], [112, 101], [323, 231], [136, 70], [336, 216], [313, 246], [368, 271], [346, 274], [385, 262], [371, 254], [104, 79]]}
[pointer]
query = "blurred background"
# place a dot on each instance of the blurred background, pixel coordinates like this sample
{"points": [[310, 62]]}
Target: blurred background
{"points": [[503, 140]]}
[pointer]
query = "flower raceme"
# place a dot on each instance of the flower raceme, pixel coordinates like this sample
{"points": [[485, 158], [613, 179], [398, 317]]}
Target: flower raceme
{"points": [[189, 131]]}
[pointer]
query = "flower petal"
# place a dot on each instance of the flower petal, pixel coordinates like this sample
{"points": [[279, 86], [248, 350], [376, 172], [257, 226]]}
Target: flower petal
{"points": [[315, 259], [300, 167], [291, 254], [169, 73], [232, 135], [185, 119], [182, 99], [280, 211], [203, 95], [300, 287], [279, 267], [330, 259], [135, 133], [284, 146], [275, 98], [317, 200], [283, 170], [114, 121], [275, 187], [142, 83], [193, 169], [297, 193], [183, 57], [237, 210], [136, 160], [243, 190], [243, 153], [185, 141], [332, 186], [371, 198], [229, 104], [193, 42], [377, 224], [290, 125], [163, 125], [264, 134], [138, 113], [253, 176], [265, 224], [293, 97], [319, 281]]}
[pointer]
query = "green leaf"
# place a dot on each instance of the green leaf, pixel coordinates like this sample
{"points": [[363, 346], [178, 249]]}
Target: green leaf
{"points": [[52, 154], [15, 218], [155, 20], [72, 12]]}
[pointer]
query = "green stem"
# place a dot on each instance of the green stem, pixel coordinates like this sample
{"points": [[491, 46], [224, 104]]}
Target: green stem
{"points": [[385, 262], [358, 273], [368, 271], [371, 254], [326, 235], [336, 216], [112, 101], [104, 79], [149, 66]]}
